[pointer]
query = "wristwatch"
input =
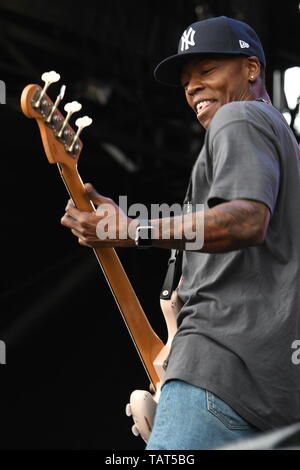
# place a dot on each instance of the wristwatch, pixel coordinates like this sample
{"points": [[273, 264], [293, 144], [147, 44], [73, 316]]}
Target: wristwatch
{"points": [[143, 234]]}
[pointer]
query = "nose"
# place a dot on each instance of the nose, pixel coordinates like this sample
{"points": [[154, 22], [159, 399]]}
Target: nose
{"points": [[194, 86]]}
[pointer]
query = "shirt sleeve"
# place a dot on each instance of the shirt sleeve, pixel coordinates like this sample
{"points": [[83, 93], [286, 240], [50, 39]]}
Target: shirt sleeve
{"points": [[245, 164]]}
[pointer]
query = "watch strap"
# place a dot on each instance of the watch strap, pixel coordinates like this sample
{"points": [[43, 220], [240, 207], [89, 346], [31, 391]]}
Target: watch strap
{"points": [[143, 235]]}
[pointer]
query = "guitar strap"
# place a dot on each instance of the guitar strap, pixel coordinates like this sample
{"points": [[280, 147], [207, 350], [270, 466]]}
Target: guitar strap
{"points": [[173, 274], [175, 261]]}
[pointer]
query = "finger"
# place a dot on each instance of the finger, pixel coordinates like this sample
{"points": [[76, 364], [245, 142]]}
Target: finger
{"points": [[84, 243], [76, 233], [67, 221], [94, 196], [81, 240], [70, 203], [73, 212]]}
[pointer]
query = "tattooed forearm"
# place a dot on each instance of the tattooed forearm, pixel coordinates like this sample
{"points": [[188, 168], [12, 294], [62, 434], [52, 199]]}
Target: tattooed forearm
{"points": [[234, 225], [228, 226]]}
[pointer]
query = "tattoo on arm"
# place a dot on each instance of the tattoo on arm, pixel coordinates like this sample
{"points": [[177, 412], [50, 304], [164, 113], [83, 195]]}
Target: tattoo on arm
{"points": [[228, 226], [234, 225]]}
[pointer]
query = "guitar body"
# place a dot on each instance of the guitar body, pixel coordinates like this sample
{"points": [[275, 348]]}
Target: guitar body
{"points": [[142, 408], [142, 404], [63, 147]]}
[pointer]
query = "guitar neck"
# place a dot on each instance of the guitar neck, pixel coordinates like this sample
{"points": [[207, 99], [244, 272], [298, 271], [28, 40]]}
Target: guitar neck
{"points": [[57, 136], [147, 343]]}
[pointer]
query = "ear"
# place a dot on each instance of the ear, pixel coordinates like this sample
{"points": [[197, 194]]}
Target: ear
{"points": [[254, 68]]}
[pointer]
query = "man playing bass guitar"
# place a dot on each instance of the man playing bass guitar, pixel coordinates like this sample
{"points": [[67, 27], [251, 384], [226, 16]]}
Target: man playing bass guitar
{"points": [[230, 372]]}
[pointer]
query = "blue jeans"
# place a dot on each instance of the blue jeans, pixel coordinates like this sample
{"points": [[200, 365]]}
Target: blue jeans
{"points": [[191, 418]]}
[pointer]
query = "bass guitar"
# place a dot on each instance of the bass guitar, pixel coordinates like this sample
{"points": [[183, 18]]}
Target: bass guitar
{"points": [[63, 146]]}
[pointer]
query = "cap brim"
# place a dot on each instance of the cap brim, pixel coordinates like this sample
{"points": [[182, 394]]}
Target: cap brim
{"points": [[169, 70]]}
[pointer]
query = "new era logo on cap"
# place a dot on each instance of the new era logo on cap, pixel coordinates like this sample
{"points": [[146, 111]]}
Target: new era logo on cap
{"points": [[243, 44], [187, 39]]}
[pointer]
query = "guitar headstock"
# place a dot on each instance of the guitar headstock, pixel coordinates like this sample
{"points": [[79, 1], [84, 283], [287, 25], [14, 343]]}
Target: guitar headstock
{"points": [[61, 143]]}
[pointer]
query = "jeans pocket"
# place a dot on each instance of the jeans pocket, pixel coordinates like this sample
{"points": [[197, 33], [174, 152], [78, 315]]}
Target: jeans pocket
{"points": [[225, 413]]}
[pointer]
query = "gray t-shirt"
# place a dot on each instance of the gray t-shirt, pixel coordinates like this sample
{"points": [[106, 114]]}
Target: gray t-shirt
{"points": [[241, 310]]}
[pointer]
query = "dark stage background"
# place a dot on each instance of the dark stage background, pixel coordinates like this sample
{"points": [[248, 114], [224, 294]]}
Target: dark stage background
{"points": [[71, 364]]}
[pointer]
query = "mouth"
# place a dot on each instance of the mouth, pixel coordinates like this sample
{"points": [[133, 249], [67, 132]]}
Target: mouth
{"points": [[202, 106]]}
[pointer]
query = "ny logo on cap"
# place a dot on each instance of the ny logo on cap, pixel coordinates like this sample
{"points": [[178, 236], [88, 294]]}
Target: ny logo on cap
{"points": [[187, 39], [243, 44]]}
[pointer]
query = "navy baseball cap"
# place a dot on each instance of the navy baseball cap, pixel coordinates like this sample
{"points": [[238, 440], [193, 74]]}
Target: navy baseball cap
{"points": [[220, 35]]}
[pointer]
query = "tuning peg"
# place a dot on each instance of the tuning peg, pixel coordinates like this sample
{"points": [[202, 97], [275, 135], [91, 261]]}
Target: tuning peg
{"points": [[135, 431], [70, 108], [57, 101], [48, 78], [128, 410], [81, 123]]}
